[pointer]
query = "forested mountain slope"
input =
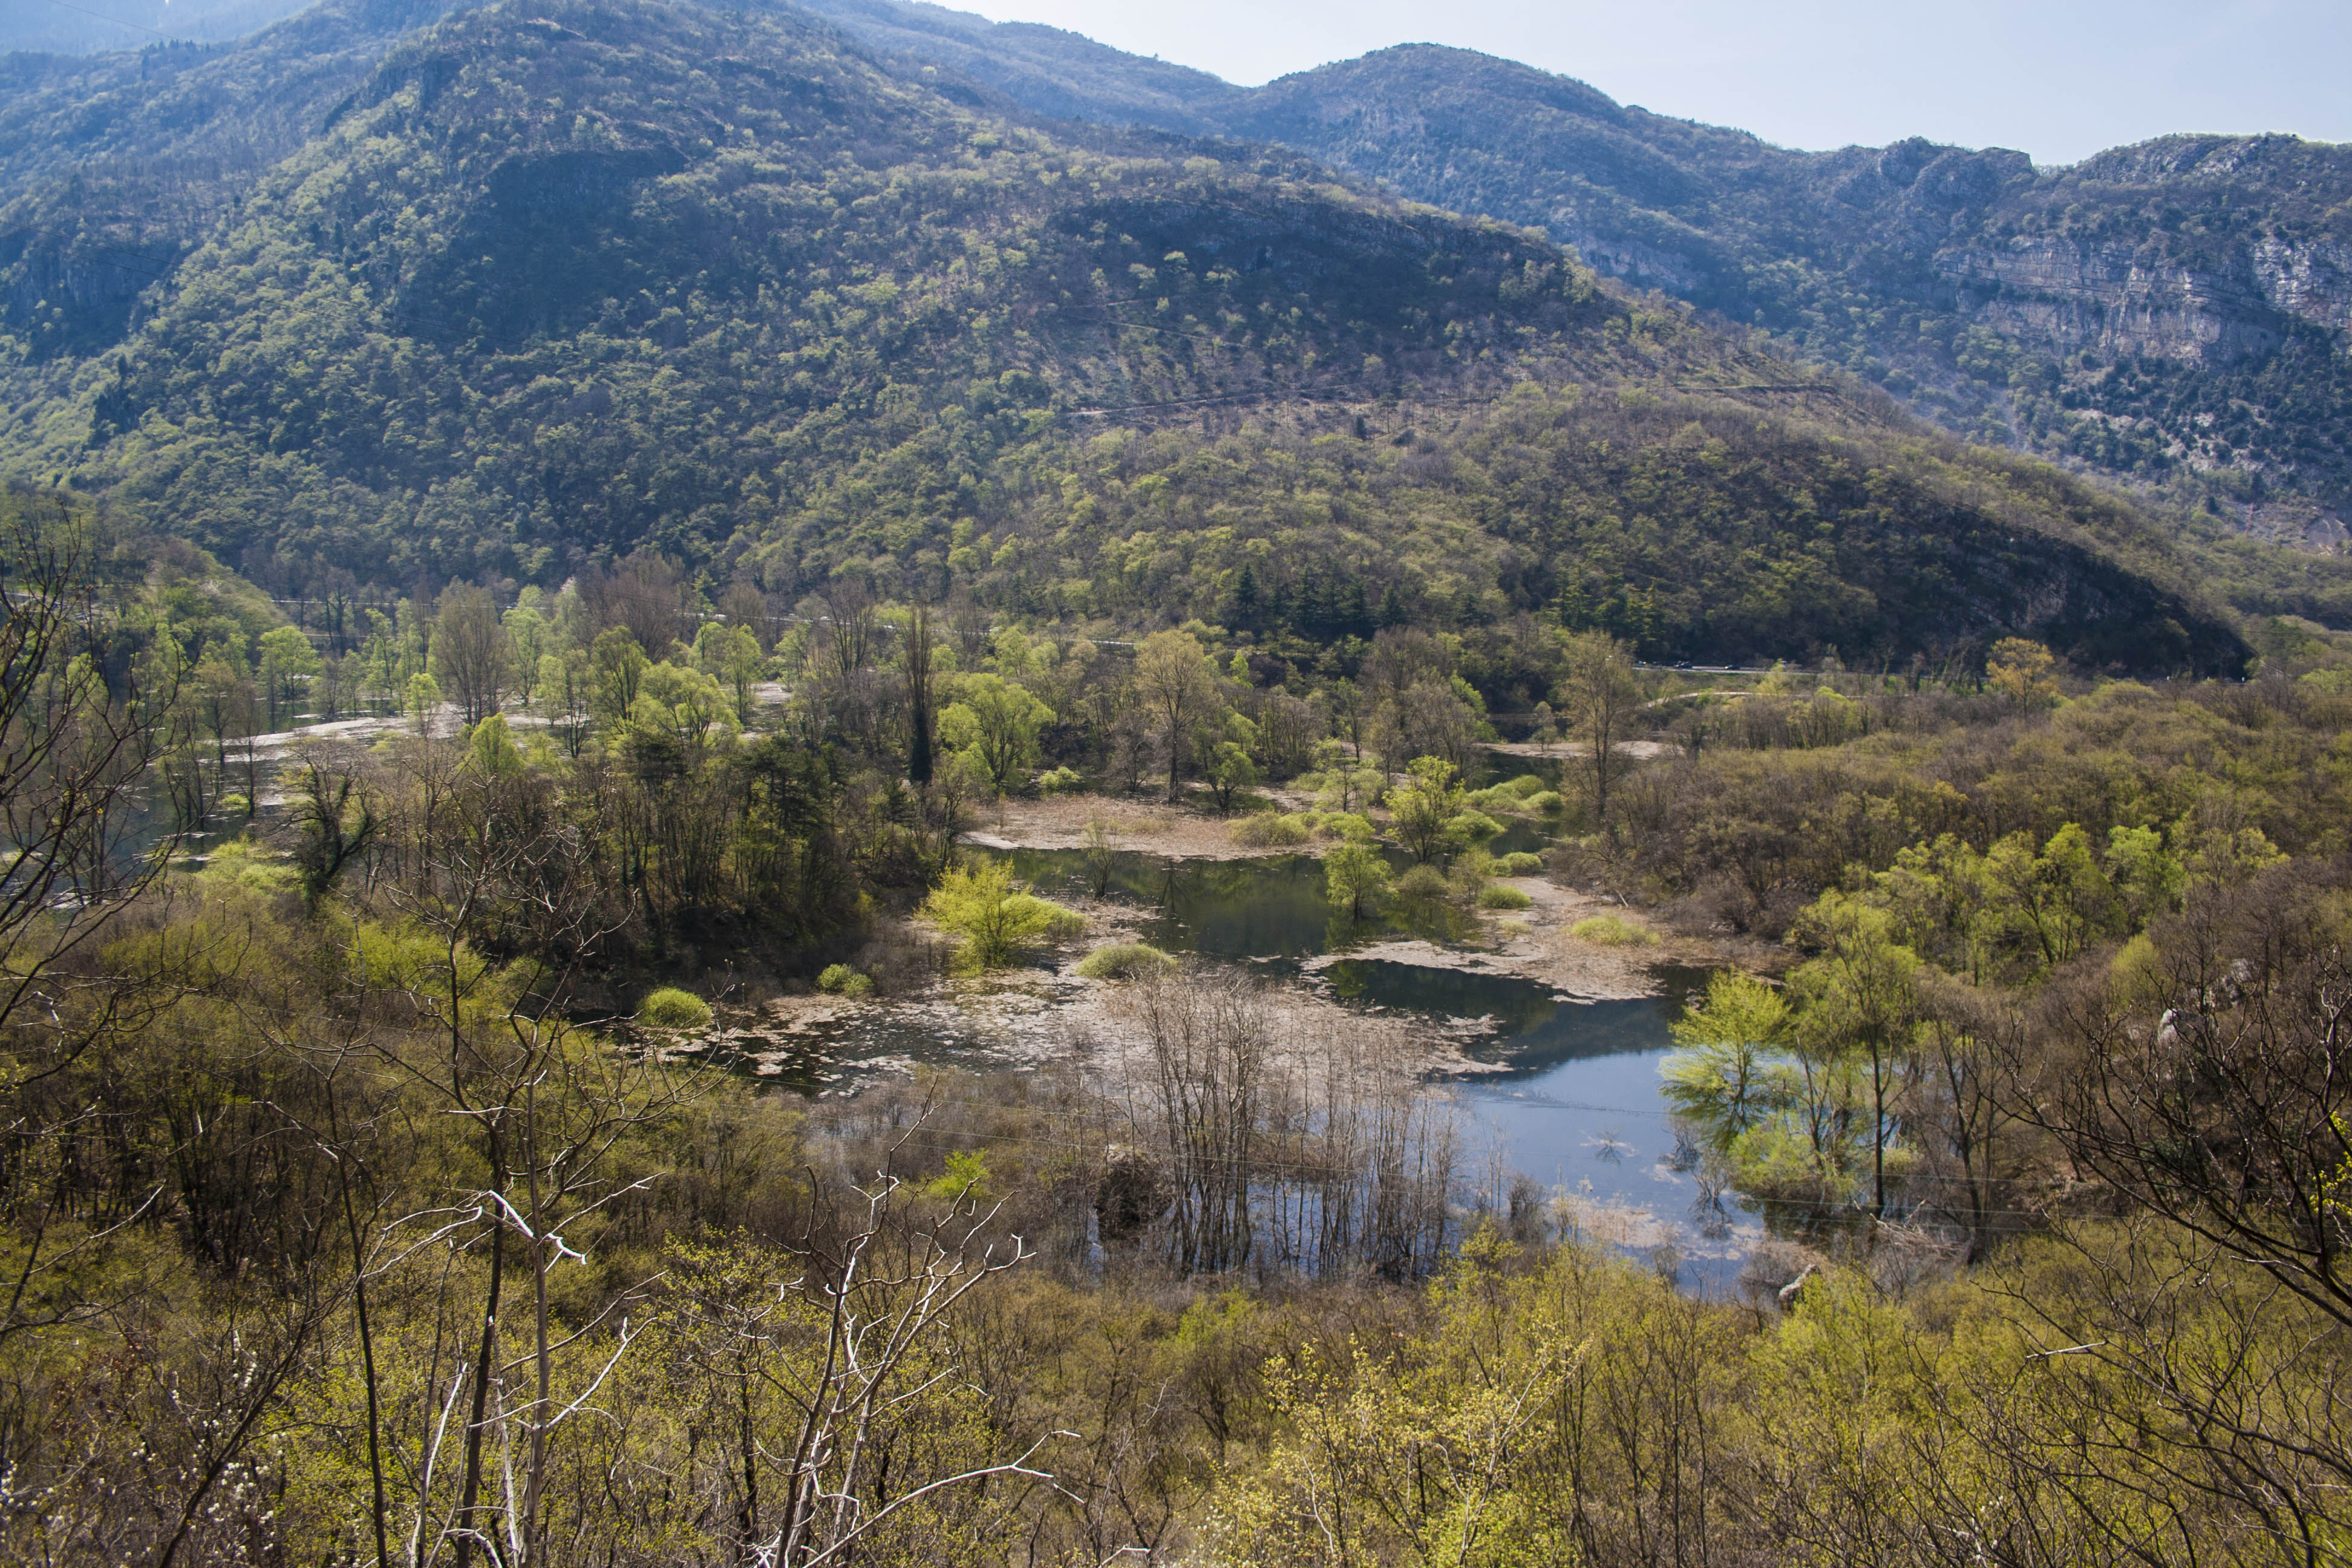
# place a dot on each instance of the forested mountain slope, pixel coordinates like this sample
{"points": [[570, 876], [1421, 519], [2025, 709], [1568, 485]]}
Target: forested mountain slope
{"points": [[2176, 312], [552, 284], [113, 166]]}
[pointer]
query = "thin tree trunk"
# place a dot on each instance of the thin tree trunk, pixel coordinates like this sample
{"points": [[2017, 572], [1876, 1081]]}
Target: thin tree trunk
{"points": [[367, 1336], [483, 1364]]}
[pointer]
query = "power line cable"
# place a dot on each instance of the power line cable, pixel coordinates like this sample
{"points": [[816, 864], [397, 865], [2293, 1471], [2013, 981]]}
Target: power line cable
{"points": [[119, 22]]}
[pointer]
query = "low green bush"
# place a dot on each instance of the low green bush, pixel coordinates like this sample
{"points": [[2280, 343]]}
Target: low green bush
{"points": [[1518, 863], [1123, 960], [1546, 802], [1423, 882], [1474, 827], [671, 1008], [1347, 827], [1497, 897], [1058, 781], [998, 919], [1609, 930], [1271, 829], [844, 980], [1511, 796]]}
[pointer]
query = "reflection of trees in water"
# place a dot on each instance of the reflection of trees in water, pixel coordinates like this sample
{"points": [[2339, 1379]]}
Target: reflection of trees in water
{"points": [[1319, 1154]]}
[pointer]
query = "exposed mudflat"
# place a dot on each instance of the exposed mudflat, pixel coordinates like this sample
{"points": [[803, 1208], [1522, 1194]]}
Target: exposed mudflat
{"points": [[1029, 1019], [1183, 832], [1553, 751]]}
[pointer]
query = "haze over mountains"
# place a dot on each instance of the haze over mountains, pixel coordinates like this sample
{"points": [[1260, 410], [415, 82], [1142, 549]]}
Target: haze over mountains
{"points": [[544, 285]]}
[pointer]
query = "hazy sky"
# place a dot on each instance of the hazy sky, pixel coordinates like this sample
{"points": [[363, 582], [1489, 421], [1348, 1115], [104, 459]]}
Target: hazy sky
{"points": [[2060, 79]]}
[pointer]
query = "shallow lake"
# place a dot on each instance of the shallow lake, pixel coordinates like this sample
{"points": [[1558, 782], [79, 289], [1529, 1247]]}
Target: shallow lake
{"points": [[1272, 907], [1573, 1104], [1576, 1106]]}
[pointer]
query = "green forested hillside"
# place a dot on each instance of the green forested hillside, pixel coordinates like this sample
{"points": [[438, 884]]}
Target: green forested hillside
{"points": [[113, 167], [549, 288]]}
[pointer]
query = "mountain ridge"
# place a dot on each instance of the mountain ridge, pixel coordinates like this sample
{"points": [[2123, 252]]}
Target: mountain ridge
{"points": [[2173, 314], [547, 286]]}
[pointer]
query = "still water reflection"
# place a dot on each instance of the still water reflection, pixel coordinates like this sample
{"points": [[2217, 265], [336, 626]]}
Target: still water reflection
{"points": [[1576, 1106]]}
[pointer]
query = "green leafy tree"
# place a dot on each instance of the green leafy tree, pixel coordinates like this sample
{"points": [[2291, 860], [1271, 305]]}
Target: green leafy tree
{"points": [[567, 686], [1424, 809], [288, 663], [424, 696], [2023, 671], [729, 655], [1729, 1076], [1861, 1001], [531, 636], [490, 749], [996, 724], [998, 919], [1177, 684], [616, 666], [1355, 879], [1231, 774]]}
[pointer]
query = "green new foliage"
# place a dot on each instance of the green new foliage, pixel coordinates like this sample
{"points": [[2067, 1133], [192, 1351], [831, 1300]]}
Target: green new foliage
{"points": [[1494, 896], [1497, 1349], [1123, 960], [1355, 878], [1426, 811], [617, 666], [1611, 931], [1474, 827], [964, 1179], [1230, 774], [424, 696], [999, 920], [490, 749], [679, 711], [729, 655], [995, 723], [841, 980], [671, 1008], [1512, 797], [288, 663], [1424, 883], [1732, 1074]]}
